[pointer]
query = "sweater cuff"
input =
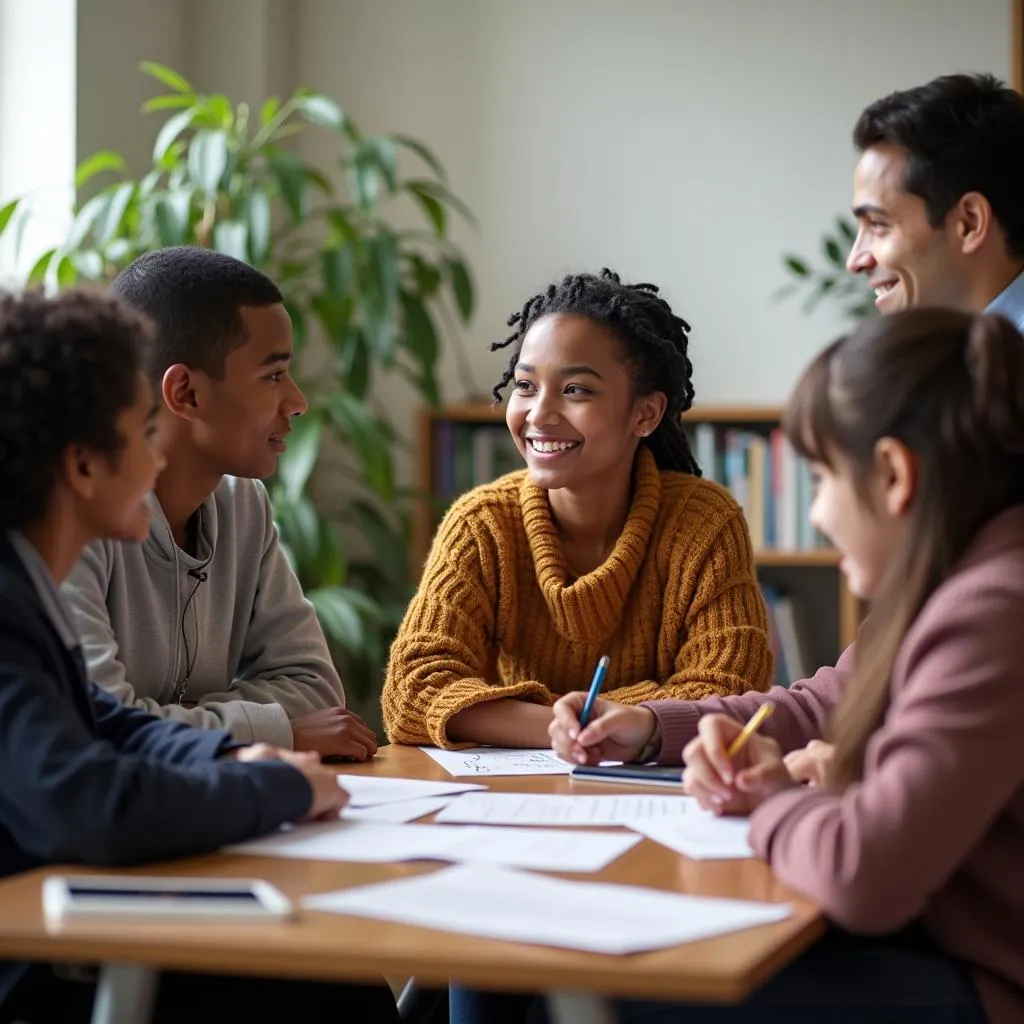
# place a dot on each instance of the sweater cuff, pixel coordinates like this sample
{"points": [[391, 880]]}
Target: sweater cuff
{"points": [[677, 720], [265, 723], [767, 817]]}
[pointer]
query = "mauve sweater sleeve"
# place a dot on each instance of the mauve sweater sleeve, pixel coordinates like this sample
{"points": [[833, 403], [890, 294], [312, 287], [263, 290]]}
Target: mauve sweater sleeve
{"points": [[802, 711], [943, 765]]}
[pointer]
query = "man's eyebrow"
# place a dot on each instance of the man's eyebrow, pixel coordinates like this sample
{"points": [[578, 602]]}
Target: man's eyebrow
{"points": [[276, 357], [866, 209]]}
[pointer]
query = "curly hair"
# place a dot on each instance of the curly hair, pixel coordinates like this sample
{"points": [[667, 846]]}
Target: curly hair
{"points": [[69, 366], [655, 341], [194, 297]]}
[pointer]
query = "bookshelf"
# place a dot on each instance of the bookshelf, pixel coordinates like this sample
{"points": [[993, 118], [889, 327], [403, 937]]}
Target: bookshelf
{"points": [[461, 446]]}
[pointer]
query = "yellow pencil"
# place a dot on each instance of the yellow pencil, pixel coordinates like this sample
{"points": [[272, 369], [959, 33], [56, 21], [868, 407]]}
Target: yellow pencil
{"points": [[750, 728]]}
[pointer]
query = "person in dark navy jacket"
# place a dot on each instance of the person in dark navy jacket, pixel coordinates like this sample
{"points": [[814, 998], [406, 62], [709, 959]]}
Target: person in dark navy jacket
{"points": [[84, 778]]}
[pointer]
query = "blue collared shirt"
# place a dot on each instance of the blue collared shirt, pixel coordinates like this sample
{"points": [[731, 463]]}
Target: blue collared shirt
{"points": [[1010, 302]]}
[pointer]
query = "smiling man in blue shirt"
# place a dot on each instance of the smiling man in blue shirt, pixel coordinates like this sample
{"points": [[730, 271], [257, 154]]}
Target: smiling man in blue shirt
{"points": [[939, 197]]}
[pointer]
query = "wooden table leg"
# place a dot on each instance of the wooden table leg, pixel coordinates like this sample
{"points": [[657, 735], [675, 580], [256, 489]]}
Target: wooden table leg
{"points": [[578, 1008], [125, 994]]}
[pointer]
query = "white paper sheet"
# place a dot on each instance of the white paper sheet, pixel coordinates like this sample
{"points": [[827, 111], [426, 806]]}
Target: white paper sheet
{"points": [[538, 849], [542, 809], [370, 790], [398, 812], [699, 836], [502, 904], [478, 761]]}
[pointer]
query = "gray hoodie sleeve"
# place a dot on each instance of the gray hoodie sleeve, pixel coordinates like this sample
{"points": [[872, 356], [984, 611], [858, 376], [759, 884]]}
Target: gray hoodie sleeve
{"points": [[284, 657], [86, 592]]}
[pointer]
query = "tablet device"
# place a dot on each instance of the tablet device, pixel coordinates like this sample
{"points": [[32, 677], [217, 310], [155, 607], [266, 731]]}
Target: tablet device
{"points": [[71, 897], [637, 774]]}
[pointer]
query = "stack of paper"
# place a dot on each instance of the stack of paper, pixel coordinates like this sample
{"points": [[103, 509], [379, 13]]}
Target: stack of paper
{"points": [[501, 904], [368, 841], [542, 809], [478, 761]]}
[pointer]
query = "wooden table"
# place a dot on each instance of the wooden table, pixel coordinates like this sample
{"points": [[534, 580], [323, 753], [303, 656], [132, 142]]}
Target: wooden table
{"points": [[333, 947]]}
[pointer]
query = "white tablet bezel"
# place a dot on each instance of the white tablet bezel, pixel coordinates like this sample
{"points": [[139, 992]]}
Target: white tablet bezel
{"points": [[59, 904]]}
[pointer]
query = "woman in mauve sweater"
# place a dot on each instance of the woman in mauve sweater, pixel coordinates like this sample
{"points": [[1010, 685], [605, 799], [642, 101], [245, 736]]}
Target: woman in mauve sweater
{"points": [[913, 835], [609, 543]]}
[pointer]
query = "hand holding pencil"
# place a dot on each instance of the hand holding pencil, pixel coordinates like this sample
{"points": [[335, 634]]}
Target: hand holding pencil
{"points": [[731, 767]]}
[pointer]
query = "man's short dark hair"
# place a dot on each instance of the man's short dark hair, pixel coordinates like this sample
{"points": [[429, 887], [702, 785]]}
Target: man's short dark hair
{"points": [[961, 133], [194, 297], [69, 367]]}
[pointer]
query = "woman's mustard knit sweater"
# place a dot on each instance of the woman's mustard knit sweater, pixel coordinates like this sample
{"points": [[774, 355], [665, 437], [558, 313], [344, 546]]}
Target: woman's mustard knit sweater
{"points": [[676, 606]]}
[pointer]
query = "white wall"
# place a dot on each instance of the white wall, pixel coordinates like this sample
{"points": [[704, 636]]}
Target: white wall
{"points": [[37, 124], [686, 142]]}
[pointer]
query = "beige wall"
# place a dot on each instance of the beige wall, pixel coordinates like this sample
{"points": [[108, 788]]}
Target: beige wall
{"points": [[686, 142]]}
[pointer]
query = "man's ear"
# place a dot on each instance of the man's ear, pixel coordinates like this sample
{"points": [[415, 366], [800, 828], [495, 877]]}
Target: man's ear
{"points": [[650, 409], [973, 221], [78, 468], [183, 390]]}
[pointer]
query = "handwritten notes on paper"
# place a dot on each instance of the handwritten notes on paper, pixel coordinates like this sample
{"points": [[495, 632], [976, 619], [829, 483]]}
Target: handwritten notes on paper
{"points": [[479, 761]]}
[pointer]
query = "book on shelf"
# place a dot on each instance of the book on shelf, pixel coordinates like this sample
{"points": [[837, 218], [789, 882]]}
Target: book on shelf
{"points": [[769, 481], [469, 454], [788, 637]]}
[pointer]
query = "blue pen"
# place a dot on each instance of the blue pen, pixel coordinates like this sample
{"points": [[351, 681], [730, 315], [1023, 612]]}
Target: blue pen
{"points": [[595, 688]]}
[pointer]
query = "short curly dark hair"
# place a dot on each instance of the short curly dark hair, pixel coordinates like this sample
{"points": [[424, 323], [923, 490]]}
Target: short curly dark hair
{"points": [[69, 366]]}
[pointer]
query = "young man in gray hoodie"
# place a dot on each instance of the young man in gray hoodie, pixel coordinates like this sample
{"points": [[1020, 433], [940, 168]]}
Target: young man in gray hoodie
{"points": [[205, 622]]}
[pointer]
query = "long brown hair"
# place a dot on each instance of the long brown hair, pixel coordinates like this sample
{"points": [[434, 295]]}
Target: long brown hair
{"points": [[950, 387]]}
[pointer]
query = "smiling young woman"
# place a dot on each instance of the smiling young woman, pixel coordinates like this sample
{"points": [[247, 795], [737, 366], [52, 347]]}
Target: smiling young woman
{"points": [[608, 543]]}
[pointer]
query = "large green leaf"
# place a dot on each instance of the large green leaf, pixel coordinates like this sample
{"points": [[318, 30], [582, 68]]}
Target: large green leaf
{"points": [[38, 272], [380, 293], [296, 464], [172, 212], [170, 102], [420, 333], [231, 237], [433, 209], [171, 78], [360, 430], [170, 131], [288, 170], [340, 620], [319, 109], [462, 287], [104, 160], [422, 152], [424, 186], [299, 526], [7, 211], [257, 212], [208, 159], [108, 223], [271, 105], [337, 273]]}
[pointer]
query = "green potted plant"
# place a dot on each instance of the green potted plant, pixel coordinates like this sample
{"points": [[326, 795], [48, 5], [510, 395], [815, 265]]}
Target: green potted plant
{"points": [[222, 177], [831, 281]]}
